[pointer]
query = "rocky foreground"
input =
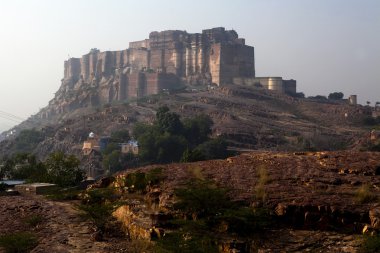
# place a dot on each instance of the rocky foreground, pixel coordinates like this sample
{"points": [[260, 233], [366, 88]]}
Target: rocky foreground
{"points": [[321, 202], [60, 230]]}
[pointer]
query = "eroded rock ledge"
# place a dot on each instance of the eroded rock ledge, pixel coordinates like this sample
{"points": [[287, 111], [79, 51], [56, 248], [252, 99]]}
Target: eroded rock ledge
{"points": [[309, 195]]}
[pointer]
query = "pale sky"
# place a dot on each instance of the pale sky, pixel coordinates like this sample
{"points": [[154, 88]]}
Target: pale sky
{"points": [[326, 45]]}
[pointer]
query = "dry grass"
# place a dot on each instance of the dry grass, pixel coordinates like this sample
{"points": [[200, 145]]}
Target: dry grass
{"points": [[365, 194]]}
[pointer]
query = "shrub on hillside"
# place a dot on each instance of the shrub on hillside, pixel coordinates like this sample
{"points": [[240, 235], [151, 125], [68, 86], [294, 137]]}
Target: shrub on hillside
{"points": [[28, 139], [370, 244], [336, 95], [365, 194], [63, 170], [20, 242]]}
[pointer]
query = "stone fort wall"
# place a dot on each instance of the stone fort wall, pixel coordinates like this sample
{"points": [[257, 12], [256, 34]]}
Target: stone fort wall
{"points": [[215, 55], [165, 60]]}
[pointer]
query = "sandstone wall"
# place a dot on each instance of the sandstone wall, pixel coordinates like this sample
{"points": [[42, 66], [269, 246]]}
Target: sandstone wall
{"points": [[138, 59], [215, 60], [140, 44], [152, 83], [163, 61], [216, 52], [72, 68], [236, 61]]}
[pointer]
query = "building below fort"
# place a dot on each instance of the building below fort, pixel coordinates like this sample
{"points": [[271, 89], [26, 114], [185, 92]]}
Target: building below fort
{"points": [[166, 60]]}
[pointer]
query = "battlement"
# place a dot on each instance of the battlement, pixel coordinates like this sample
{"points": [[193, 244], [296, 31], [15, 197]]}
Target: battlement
{"points": [[166, 60], [215, 52]]}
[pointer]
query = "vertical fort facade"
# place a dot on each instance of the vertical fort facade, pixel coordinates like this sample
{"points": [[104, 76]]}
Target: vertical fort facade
{"points": [[166, 60]]}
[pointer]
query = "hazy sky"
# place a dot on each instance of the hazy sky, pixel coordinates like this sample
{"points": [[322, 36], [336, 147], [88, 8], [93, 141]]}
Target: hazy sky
{"points": [[326, 45]]}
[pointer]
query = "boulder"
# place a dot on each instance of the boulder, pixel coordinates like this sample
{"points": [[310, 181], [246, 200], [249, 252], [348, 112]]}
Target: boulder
{"points": [[374, 216]]}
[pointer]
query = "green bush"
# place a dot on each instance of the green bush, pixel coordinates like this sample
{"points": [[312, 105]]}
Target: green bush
{"points": [[374, 147], [63, 170], [3, 186], [209, 216], [20, 242], [64, 194], [154, 176], [187, 242], [28, 139], [100, 214], [336, 95], [120, 136], [201, 199], [192, 156], [33, 220], [243, 221], [138, 181], [370, 121], [98, 206], [171, 140], [370, 244], [99, 196], [213, 149]]}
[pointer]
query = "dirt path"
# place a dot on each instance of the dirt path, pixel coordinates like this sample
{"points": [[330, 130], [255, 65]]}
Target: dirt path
{"points": [[61, 230]]}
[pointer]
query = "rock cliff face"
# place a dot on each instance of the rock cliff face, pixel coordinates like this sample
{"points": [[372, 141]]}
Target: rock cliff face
{"points": [[247, 117], [166, 60], [310, 195]]}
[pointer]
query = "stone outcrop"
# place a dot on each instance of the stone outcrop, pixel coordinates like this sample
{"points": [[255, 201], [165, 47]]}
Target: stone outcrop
{"points": [[374, 215], [61, 227], [312, 197]]}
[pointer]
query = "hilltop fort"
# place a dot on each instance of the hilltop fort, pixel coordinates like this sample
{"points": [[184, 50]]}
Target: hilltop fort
{"points": [[167, 60]]}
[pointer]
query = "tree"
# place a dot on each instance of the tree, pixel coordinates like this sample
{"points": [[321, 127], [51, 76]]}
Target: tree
{"points": [[110, 148], [336, 95], [370, 121], [147, 145], [139, 129], [170, 148], [6, 167], [198, 129], [28, 139], [168, 121], [319, 97], [27, 167], [213, 149], [120, 136], [201, 199], [171, 140], [112, 162], [23, 166], [299, 95], [63, 170], [192, 156]]}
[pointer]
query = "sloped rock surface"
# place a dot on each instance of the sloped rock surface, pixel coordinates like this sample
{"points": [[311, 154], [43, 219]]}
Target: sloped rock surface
{"points": [[312, 196], [61, 229], [248, 118]]}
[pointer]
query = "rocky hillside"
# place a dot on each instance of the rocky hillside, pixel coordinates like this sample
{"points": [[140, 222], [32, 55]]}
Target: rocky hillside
{"points": [[57, 226], [321, 202], [248, 117], [318, 202]]}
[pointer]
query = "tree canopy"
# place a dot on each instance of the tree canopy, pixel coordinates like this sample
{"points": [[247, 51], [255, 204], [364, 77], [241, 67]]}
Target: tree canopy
{"points": [[58, 168], [171, 140], [336, 95]]}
